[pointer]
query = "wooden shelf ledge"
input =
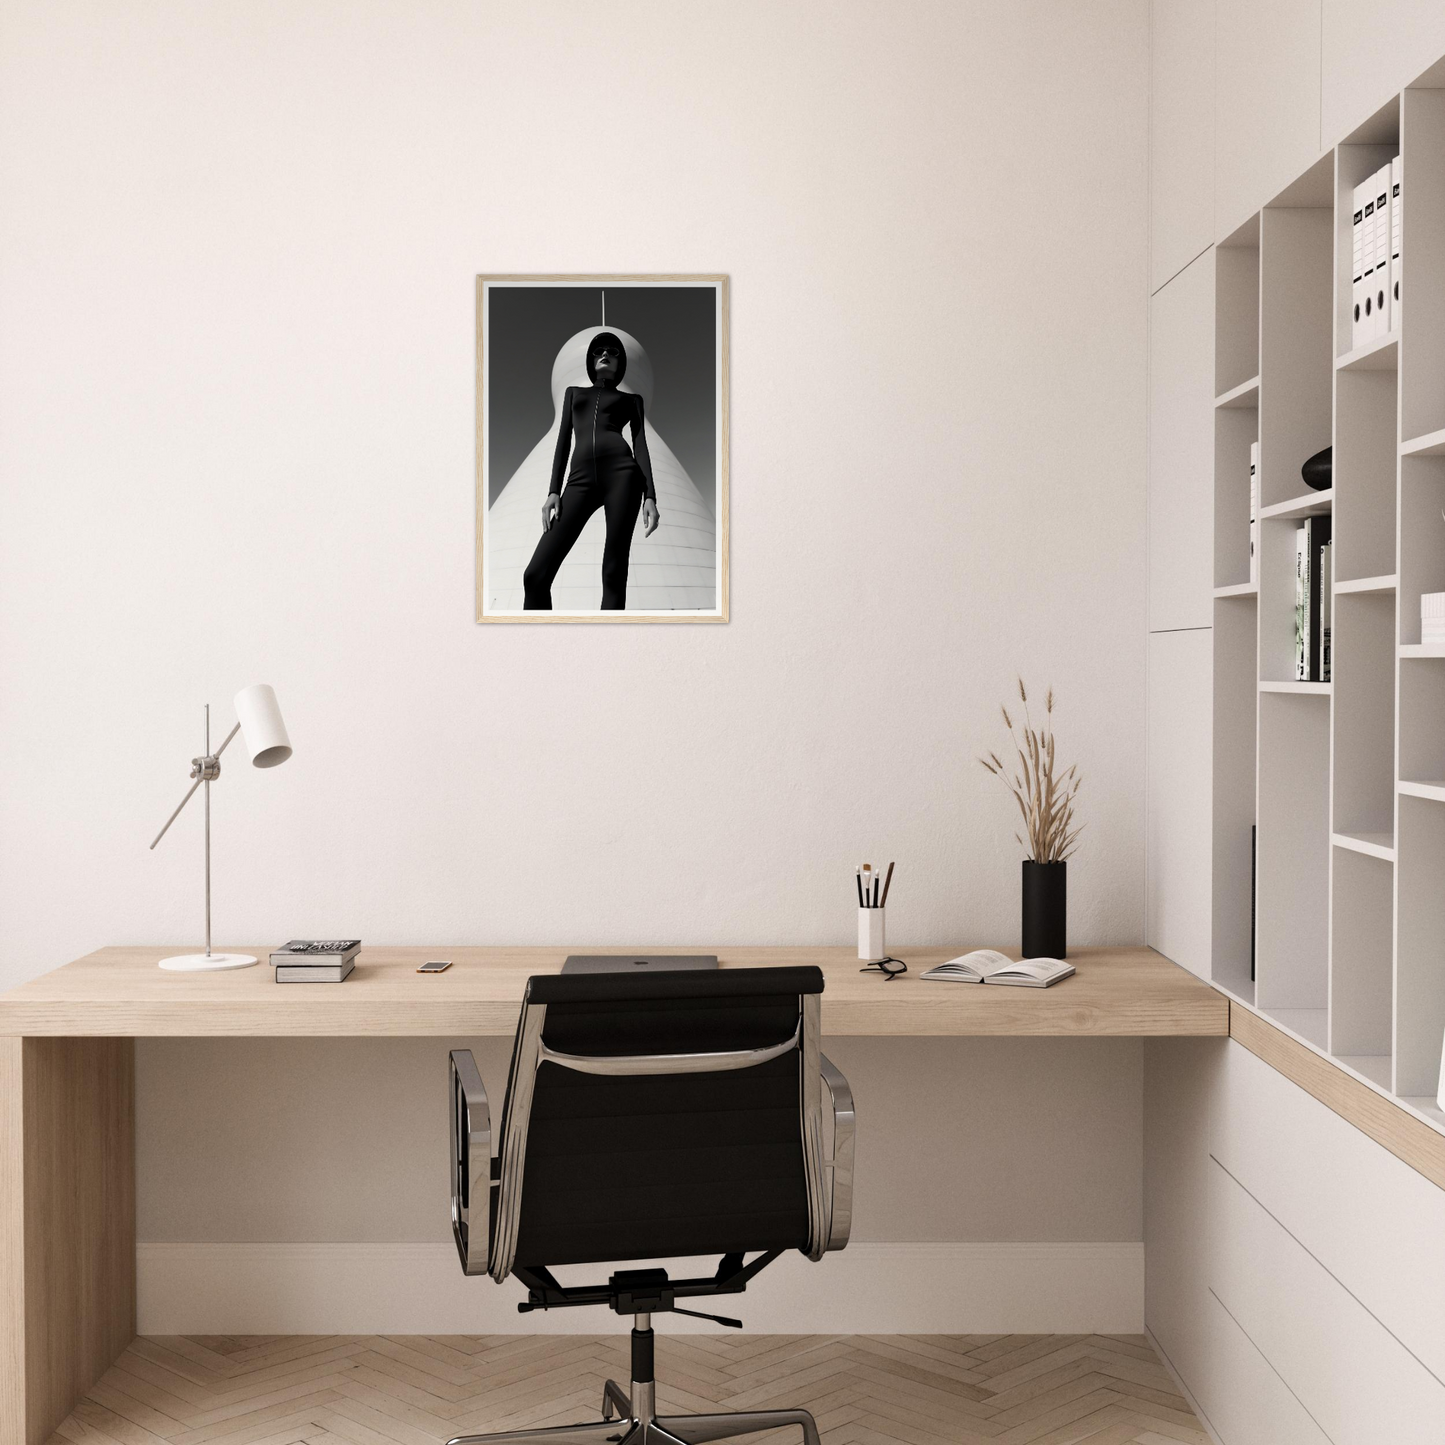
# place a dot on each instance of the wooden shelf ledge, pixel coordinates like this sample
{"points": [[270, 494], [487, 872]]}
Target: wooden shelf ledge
{"points": [[1390, 1120]]}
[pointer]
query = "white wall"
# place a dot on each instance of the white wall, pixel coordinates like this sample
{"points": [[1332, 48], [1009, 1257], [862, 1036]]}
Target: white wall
{"points": [[958, 1139], [237, 374], [237, 254]]}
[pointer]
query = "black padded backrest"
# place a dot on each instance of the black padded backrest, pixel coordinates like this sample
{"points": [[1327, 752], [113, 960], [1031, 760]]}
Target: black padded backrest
{"points": [[647, 1167]]}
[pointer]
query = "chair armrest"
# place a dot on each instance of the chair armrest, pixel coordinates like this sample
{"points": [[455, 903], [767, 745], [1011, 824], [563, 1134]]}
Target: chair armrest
{"points": [[840, 1215], [471, 1130]]}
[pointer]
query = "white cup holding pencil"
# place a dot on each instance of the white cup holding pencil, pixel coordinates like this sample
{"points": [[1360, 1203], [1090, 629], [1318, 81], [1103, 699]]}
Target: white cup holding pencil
{"points": [[872, 912]]}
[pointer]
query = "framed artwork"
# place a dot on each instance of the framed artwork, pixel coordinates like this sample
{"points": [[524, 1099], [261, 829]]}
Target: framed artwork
{"points": [[602, 448]]}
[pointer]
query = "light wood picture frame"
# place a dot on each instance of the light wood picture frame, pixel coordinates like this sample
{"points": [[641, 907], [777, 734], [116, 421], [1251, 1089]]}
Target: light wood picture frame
{"points": [[546, 420]]}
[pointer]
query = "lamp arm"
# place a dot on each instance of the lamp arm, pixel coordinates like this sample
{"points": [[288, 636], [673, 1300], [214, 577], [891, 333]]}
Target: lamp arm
{"points": [[227, 743], [177, 813], [200, 774]]}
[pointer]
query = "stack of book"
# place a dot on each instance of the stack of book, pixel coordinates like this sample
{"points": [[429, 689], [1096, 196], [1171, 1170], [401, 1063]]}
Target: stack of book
{"points": [[315, 960], [1375, 272], [1312, 600]]}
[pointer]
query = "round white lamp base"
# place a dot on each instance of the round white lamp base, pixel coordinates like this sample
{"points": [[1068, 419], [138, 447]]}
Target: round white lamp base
{"points": [[207, 962]]}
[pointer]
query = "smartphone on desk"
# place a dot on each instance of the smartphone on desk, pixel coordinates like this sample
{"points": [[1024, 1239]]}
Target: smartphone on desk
{"points": [[435, 965]]}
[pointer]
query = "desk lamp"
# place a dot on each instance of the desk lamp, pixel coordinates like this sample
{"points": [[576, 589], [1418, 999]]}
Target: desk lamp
{"points": [[258, 720]]}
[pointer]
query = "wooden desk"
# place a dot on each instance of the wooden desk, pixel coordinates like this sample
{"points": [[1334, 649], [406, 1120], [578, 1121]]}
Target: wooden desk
{"points": [[119, 992], [67, 1091]]}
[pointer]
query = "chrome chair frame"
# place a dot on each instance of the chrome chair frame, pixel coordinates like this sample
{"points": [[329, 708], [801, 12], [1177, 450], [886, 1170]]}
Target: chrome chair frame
{"points": [[487, 1241]]}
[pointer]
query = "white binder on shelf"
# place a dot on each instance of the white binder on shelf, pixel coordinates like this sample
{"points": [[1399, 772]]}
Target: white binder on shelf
{"points": [[1367, 323], [1396, 225], [1382, 251], [1357, 267]]}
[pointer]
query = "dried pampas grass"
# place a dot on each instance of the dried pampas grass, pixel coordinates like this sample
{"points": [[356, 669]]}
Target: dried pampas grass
{"points": [[1046, 801]]}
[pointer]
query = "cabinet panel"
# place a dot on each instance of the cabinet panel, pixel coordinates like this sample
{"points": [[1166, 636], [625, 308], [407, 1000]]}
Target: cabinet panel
{"points": [[1266, 102], [1181, 450], [1180, 1083], [1356, 1380], [1371, 51], [1246, 1401], [1181, 134], [1178, 897], [1332, 1187]]}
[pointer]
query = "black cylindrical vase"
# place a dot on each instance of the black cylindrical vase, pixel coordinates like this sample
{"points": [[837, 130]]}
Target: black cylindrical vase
{"points": [[1046, 909]]}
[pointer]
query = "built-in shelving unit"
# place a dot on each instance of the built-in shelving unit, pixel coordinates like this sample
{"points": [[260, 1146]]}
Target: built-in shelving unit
{"points": [[1336, 789]]}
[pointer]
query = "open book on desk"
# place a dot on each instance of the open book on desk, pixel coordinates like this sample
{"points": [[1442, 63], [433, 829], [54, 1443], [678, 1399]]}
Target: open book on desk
{"points": [[987, 965]]}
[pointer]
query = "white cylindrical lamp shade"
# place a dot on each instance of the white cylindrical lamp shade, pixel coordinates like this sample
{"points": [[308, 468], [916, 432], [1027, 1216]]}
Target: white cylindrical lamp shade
{"points": [[262, 730]]}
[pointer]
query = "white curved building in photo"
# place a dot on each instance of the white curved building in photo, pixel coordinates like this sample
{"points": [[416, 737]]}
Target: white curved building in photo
{"points": [[675, 569]]}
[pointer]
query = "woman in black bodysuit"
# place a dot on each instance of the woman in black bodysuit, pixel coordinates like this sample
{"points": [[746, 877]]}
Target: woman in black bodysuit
{"points": [[605, 473]]}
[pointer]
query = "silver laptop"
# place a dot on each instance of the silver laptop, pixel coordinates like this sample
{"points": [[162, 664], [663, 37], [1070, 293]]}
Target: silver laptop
{"points": [[637, 962]]}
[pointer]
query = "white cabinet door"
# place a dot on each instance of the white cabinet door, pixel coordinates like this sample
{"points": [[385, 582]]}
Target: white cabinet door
{"points": [[1181, 450], [1181, 134], [1178, 900], [1246, 1401], [1266, 103], [1370, 52], [1366, 1216], [1358, 1382]]}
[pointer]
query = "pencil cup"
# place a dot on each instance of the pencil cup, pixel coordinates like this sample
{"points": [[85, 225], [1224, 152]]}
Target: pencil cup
{"points": [[870, 934]]}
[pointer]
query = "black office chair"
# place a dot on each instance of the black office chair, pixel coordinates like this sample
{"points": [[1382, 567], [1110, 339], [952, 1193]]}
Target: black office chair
{"points": [[650, 1117]]}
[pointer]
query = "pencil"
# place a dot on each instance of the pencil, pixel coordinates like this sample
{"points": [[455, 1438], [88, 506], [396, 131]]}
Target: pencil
{"points": [[887, 883]]}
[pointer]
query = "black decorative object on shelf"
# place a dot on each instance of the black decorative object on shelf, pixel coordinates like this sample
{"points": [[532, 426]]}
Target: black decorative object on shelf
{"points": [[1046, 909], [1319, 471]]}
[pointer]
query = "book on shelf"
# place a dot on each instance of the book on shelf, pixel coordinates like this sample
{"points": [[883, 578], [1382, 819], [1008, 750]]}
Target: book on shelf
{"points": [[1310, 540], [1254, 513], [314, 972], [1326, 606], [1301, 606], [988, 965]]}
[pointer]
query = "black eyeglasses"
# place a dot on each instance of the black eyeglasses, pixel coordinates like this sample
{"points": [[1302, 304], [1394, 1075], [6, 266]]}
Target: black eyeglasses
{"points": [[890, 968]]}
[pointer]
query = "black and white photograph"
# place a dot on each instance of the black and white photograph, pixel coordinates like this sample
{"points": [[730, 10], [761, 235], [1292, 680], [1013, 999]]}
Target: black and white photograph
{"points": [[601, 448]]}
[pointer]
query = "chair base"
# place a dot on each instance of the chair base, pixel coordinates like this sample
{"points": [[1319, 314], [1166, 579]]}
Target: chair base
{"points": [[640, 1427]]}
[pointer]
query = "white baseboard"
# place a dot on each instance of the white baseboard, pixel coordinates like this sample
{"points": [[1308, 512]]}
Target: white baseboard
{"points": [[312, 1289]]}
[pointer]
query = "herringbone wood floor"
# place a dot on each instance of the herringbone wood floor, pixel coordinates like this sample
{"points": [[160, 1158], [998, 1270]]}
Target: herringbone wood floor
{"points": [[418, 1390]]}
